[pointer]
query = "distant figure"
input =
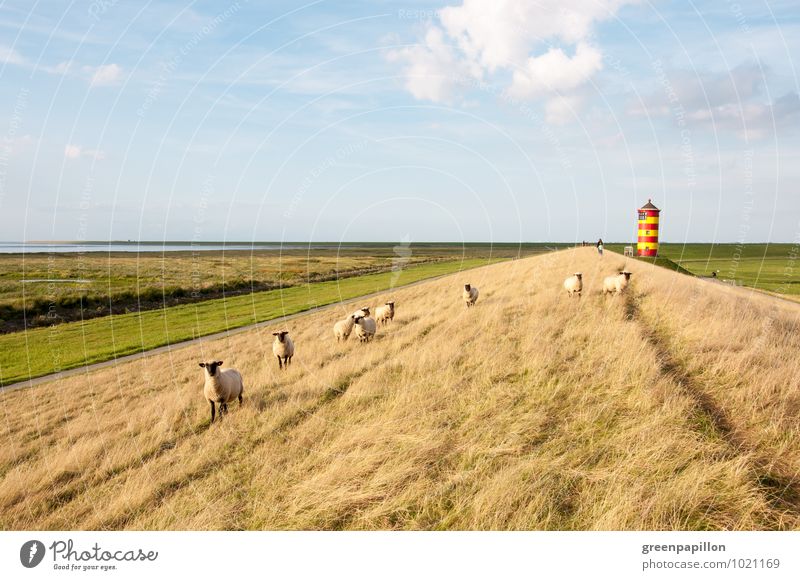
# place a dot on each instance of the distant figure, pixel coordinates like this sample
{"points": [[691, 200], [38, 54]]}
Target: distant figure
{"points": [[600, 246], [713, 274]]}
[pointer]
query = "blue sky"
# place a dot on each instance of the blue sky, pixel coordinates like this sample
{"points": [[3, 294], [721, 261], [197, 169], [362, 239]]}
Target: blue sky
{"points": [[430, 121]]}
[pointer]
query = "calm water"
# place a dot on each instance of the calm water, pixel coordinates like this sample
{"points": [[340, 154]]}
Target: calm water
{"points": [[26, 247]]}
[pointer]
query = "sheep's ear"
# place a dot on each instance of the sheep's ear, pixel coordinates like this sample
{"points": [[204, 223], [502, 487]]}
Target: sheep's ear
{"points": [[219, 363], [275, 333], [203, 365]]}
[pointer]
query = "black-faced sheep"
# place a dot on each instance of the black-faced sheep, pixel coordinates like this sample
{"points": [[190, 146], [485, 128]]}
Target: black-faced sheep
{"points": [[616, 284], [385, 313], [283, 348], [470, 295], [221, 387]]}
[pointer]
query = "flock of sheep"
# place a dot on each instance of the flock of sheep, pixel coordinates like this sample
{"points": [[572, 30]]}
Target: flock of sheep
{"points": [[611, 284], [222, 386]]}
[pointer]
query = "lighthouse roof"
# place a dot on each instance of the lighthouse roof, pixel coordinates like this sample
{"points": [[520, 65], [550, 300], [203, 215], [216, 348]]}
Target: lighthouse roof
{"points": [[649, 205]]}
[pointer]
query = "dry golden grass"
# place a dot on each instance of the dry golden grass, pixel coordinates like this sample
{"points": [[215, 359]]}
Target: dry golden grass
{"points": [[675, 407]]}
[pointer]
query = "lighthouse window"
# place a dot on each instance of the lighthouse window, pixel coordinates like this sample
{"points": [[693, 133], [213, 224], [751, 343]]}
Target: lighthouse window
{"points": [[642, 215]]}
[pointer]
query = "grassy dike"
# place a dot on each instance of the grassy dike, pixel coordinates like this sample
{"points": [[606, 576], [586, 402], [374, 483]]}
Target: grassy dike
{"points": [[38, 352]]}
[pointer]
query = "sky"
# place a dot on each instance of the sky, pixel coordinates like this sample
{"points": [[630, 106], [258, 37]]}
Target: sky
{"points": [[451, 120]]}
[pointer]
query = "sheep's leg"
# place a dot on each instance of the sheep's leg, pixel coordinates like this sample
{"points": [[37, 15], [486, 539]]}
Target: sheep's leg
{"points": [[280, 364], [290, 359], [213, 411], [241, 399]]}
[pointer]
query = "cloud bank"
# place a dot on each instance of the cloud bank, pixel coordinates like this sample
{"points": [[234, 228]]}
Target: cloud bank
{"points": [[540, 49]]}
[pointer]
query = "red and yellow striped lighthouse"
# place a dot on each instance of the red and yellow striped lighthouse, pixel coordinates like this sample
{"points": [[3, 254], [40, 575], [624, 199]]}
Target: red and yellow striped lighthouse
{"points": [[647, 244]]}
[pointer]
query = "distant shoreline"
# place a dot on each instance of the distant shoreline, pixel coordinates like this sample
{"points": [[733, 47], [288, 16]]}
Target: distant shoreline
{"points": [[363, 243]]}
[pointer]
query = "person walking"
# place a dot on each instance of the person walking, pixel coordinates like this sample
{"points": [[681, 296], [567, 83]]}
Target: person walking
{"points": [[600, 246]]}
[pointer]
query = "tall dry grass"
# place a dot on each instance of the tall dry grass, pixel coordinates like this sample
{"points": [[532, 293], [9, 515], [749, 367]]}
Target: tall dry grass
{"points": [[673, 408]]}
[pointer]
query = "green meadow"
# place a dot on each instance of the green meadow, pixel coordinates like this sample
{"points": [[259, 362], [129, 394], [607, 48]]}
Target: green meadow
{"points": [[46, 350], [771, 267]]}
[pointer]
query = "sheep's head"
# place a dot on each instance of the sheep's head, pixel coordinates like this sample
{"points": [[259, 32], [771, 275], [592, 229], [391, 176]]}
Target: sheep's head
{"points": [[578, 275], [627, 275], [211, 367], [280, 335], [467, 287], [357, 318], [390, 305]]}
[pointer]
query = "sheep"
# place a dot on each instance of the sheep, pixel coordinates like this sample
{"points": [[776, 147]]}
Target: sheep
{"points": [[385, 313], [343, 328], [616, 284], [470, 295], [222, 387], [365, 328], [283, 348], [574, 284]]}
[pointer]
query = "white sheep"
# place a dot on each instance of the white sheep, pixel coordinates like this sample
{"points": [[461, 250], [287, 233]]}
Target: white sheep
{"points": [[222, 386], [343, 328], [363, 311], [470, 295], [365, 328], [616, 284], [385, 313], [283, 348], [574, 284]]}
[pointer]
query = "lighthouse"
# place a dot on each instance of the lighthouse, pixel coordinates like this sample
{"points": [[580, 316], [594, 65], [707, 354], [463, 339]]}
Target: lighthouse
{"points": [[647, 244]]}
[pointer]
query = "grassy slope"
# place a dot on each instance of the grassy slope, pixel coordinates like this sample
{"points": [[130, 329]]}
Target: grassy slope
{"points": [[674, 407], [41, 351]]}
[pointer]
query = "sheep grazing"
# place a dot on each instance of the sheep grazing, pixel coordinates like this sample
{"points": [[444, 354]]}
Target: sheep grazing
{"points": [[343, 328], [222, 387], [283, 348], [574, 284], [385, 313], [470, 295], [365, 328], [616, 284]]}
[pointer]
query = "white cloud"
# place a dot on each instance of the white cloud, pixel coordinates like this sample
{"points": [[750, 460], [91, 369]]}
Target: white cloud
{"points": [[11, 56], [62, 67], [433, 69], [104, 75], [96, 154], [76, 152], [72, 151], [531, 40], [731, 101], [554, 71], [562, 110]]}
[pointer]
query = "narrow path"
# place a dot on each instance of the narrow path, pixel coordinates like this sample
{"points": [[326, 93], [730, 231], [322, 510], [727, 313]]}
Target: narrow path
{"points": [[771, 476], [217, 335]]}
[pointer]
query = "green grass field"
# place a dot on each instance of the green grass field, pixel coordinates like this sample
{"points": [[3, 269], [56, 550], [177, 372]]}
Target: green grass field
{"points": [[771, 267], [42, 351], [40, 289]]}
